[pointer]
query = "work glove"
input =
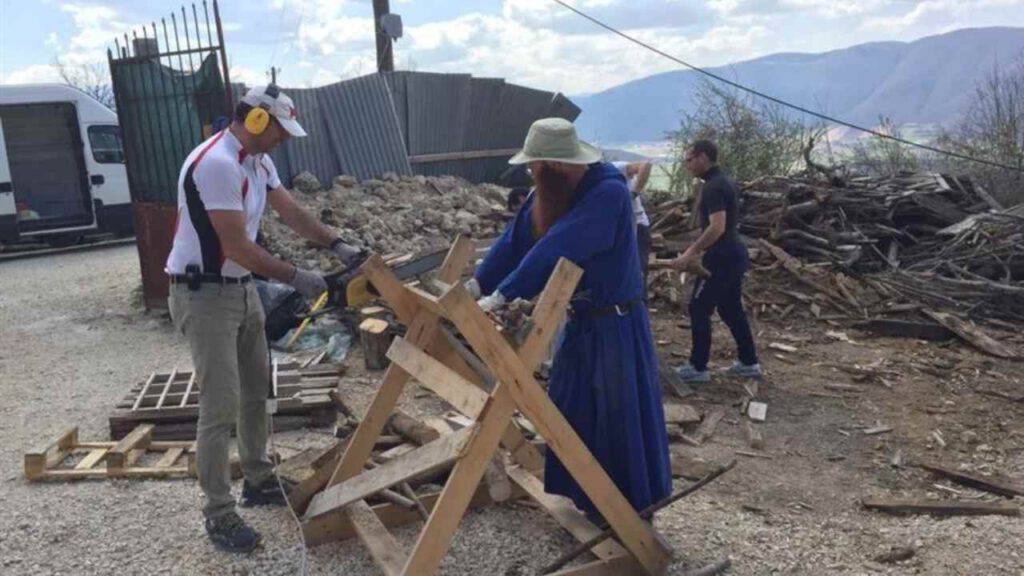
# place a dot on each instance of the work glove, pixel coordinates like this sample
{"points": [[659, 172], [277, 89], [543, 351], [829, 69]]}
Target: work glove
{"points": [[310, 284], [473, 287], [488, 303], [347, 254]]}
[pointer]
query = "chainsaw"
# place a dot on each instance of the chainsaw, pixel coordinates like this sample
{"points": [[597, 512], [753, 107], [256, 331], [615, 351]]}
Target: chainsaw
{"points": [[350, 288]]}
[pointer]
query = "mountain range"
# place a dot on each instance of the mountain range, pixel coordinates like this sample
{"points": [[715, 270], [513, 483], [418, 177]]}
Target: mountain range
{"points": [[928, 81]]}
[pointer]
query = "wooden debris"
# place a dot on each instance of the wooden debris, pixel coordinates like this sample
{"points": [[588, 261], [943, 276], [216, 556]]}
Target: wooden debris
{"points": [[993, 485], [681, 414], [972, 335], [689, 467], [930, 331], [672, 382], [753, 434], [782, 347], [754, 454], [941, 507], [878, 429], [707, 427]]}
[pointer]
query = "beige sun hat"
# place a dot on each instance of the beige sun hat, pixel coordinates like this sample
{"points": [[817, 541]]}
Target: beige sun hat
{"points": [[554, 140]]}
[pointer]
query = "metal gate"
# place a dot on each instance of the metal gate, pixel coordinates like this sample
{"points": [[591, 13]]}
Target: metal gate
{"points": [[171, 86]]}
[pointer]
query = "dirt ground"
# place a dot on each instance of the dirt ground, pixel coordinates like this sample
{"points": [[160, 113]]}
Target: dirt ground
{"points": [[73, 341]]}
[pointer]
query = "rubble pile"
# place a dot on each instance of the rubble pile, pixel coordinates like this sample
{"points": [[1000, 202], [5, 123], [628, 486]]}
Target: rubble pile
{"points": [[393, 215]]}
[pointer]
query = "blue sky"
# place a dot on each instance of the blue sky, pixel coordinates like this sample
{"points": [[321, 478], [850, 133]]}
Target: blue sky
{"points": [[531, 42]]}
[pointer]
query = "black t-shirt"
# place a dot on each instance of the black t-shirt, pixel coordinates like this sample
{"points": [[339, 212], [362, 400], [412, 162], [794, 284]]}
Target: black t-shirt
{"points": [[719, 194]]}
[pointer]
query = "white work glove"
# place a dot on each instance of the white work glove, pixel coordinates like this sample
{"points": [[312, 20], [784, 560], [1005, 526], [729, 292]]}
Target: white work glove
{"points": [[473, 287], [346, 254], [310, 284], [488, 303]]}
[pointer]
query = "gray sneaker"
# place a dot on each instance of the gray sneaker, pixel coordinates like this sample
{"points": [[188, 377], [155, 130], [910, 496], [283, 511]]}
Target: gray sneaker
{"points": [[741, 370], [691, 375]]}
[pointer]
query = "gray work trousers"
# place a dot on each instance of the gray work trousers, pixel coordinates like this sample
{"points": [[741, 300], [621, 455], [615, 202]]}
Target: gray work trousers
{"points": [[224, 327]]}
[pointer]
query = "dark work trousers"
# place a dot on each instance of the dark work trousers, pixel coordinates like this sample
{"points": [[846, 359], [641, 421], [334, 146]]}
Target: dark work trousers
{"points": [[723, 291], [643, 248]]}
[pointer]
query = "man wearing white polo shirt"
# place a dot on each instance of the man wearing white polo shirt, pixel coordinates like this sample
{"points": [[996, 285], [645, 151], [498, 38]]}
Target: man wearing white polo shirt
{"points": [[225, 184]]}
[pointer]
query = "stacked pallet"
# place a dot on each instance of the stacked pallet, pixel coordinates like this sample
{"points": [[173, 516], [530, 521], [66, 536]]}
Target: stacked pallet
{"points": [[170, 401]]}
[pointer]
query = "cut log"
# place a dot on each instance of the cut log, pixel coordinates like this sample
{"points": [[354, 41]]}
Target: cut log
{"points": [[375, 338], [941, 508], [412, 429]]}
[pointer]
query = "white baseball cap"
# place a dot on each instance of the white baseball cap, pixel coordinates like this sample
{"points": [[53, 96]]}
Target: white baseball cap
{"points": [[277, 103]]}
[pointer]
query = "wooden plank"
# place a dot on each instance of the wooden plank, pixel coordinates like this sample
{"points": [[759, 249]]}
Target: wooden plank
{"points": [[92, 459], [170, 457], [993, 485], [382, 546], [563, 511], [549, 312], [623, 565], [972, 334], [533, 401], [456, 260], [462, 394], [941, 508], [167, 387], [336, 526], [434, 540], [145, 387], [423, 460], [36, 461], [139, 438]]}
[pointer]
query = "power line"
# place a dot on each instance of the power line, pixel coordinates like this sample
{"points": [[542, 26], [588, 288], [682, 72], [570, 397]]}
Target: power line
{"points": [[783, 102]]}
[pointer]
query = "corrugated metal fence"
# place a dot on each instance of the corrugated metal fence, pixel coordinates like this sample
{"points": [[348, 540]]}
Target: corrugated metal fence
{"points": [[414, 123]]}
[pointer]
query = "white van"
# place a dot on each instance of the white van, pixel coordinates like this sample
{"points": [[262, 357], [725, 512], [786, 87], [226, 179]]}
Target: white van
{"points": [[62, 168]]}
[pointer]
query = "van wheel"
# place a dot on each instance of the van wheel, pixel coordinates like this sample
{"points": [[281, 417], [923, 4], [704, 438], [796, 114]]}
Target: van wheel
{"points": [[63, 240]]}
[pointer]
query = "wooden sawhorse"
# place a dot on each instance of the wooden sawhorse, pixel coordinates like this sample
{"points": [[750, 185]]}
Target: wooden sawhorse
{"points": [[428, 354]]}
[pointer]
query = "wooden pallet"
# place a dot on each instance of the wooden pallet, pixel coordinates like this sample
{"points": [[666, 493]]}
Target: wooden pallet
{"points": [[170, 400], [56, 460], [431, 353]]}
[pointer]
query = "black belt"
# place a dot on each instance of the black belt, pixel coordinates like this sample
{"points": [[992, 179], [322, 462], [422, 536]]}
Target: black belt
{"points": [[209, 279], [620, 309]]}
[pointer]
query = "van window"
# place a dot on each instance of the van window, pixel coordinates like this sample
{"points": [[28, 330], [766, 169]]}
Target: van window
{"points": [[105, 142]]}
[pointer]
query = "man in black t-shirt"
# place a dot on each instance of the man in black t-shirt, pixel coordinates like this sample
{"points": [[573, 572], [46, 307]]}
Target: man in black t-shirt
{"points": [[722, 253]]}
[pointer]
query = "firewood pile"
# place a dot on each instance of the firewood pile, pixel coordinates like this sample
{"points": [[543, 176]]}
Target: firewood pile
{"points": [[873, 246]]}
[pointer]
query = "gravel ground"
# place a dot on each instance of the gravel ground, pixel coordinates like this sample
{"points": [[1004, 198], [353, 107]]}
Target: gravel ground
{"points": [[74, 340]]}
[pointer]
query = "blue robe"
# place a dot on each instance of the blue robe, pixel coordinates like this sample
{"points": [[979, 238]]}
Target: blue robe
{"points": [[604, 377]]}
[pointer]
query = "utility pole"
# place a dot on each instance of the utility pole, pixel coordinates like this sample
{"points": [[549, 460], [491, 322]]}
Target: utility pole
{"points": [[385, 54]]}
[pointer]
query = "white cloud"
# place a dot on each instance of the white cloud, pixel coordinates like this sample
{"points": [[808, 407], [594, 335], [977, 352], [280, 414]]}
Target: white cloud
{"points": [[97, 26], [37, 73], [937, 13]]}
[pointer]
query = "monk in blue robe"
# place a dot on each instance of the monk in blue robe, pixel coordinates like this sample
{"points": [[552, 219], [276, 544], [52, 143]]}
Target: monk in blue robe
{"points": [[604, 377]]}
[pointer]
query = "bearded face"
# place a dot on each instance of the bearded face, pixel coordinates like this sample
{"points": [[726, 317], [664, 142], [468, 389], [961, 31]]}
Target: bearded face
{"points": [[553, 196]]}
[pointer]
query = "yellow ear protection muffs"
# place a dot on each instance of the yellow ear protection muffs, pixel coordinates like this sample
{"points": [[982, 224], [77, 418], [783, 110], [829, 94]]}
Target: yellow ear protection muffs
{"points": [[257, 120]]}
